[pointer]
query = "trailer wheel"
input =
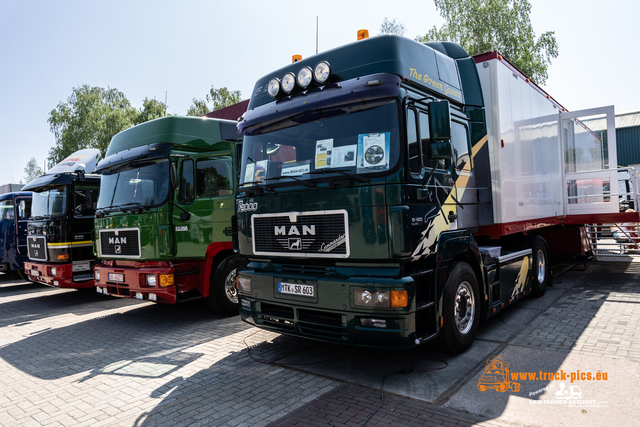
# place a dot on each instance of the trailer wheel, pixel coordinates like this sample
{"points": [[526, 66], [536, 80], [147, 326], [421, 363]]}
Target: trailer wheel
{"points": [[461, 315], [541, 266], [223, 295]]}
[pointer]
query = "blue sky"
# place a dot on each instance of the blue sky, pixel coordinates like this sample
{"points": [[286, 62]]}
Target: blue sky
{"points": [[149, 48]]}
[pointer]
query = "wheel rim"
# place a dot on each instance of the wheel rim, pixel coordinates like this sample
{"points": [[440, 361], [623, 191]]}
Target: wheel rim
{"points": [[230, 287], [542, 268], [465, 308]]}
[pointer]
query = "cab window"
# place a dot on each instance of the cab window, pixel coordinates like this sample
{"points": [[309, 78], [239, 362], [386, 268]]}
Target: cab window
{"points": [[186, 194], [460, 141], [85, 200], [213, 177], [415, 167]]}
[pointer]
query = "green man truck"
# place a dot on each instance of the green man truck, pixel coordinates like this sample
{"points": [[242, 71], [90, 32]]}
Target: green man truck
{"points": [[60, 229], [163, 221], [393, 192]]}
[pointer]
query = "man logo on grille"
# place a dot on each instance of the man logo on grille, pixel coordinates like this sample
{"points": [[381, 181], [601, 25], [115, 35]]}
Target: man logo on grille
{"points": [[295, 244], [118, 249]]}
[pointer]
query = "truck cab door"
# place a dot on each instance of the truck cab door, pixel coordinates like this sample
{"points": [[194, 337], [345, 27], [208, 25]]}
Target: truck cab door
{"points": [[22, 213]]}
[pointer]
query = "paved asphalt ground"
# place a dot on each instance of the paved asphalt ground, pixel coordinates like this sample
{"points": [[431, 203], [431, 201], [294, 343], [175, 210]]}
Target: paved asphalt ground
{"points": [[78, 358]]}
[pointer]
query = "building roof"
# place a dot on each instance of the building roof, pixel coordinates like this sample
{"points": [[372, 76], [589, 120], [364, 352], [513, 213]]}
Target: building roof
{"points": [[232, 112], [625, 120]]}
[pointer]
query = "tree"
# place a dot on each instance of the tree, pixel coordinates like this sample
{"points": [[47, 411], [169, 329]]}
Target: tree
{"points": [[151, 109], [217, 98], [503, 25], [392, 27], [92, 116], [32, 170]]}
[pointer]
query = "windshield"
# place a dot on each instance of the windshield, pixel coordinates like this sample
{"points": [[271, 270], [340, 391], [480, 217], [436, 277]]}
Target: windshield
{"points": [[146, 184], [49, 204], [359, 143]]}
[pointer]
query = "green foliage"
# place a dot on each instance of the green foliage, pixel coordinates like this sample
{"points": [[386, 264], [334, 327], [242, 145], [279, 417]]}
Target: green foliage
{"points": [[215, 100], [503, 25], [92, 116], [392, 27], [32, 170]]}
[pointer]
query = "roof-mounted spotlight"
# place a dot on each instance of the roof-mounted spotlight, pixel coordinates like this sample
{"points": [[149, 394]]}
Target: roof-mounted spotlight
{"points": [[288, 83], [305, 76], [322, 72], [273, 87]]}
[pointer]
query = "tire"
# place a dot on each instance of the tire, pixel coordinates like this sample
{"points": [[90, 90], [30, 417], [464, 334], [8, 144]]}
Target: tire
{"points": [[515, 387], [22, 275], [541, 266], [461, 309], [223, 295]]}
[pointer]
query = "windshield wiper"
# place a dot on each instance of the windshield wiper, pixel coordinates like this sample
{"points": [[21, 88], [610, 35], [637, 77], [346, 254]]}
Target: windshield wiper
{"points": [[256, 184], [353, 176], [40, 218], [301, 181], [101, 211], [133, 205]]}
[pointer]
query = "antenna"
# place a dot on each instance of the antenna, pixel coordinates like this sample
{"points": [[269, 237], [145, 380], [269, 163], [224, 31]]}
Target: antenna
{"points": [[316, 35], [165, 102]]}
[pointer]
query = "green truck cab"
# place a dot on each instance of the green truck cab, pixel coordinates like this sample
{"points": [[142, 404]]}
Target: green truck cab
{"points": [[163, 220], [394, 192], [60, 229]]}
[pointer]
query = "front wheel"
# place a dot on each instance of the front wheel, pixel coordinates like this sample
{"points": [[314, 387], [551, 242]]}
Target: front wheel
{"points": [[223, 295], [461, 310]]}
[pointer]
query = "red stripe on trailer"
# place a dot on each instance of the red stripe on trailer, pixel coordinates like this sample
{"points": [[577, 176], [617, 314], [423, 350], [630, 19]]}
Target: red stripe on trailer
{"points": [[505, 229]]}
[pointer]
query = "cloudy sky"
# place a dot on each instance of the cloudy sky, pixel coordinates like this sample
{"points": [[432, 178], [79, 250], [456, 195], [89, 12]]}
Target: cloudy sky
{"points": [[153, 48]]}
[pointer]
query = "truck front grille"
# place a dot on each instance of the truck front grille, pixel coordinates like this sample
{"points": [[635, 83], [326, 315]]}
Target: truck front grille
{"points": [[120, 243], [319, 234], [307, 322], [37, 248]]}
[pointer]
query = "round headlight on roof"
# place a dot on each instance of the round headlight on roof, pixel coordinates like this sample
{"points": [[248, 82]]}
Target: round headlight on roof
{"points": [[273, 87], [305, 75], [322, 72], [288, 82]]}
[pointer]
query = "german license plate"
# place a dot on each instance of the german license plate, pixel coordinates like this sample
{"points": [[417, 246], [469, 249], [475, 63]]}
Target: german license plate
{"points": [[296, 289], [116, 277], [35, 273]]}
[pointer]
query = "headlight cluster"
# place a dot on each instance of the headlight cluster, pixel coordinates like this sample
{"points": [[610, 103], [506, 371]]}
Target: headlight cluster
{"points": [[305, 77], [379, 298], [243, 284]]}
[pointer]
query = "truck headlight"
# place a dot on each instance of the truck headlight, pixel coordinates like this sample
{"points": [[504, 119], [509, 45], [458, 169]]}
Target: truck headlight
{"points": [[244, 284], [150, 280], [96, 275], [53, 271], [371, 298]]}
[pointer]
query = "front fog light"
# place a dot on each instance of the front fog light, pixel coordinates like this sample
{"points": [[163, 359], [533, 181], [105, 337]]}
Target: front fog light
{"points": [[373, 323], [305, 75], [96, 275], [166, 280], [53, 271], [273, 87], [244, 284], [322, 72], [150, 280], [288, 83], [55, 283], [367, 298], [246, 303]]}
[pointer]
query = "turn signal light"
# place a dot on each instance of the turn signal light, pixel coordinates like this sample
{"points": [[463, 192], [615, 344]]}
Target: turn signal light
{"points": [[63, 257], [166, 280], [296, 58], [399, 299]]}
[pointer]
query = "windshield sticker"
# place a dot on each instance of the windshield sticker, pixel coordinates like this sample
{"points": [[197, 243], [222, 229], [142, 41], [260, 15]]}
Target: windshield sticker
{"points": [[295, 169], [343, 156], [373, 149], [261, 171], [323, 153], [249, 172]]}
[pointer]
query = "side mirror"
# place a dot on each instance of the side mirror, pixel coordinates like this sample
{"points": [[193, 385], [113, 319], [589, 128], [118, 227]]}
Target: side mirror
{"points": [[173, 175], [439, 120], [441, 150], [23, 205]]}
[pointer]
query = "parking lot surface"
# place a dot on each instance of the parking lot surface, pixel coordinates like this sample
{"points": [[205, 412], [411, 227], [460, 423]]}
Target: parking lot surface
{"points": [[78, 358]]}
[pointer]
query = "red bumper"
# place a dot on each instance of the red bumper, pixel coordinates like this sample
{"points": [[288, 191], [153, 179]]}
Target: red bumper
{"points": [[42, 273], [128, 281]]}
